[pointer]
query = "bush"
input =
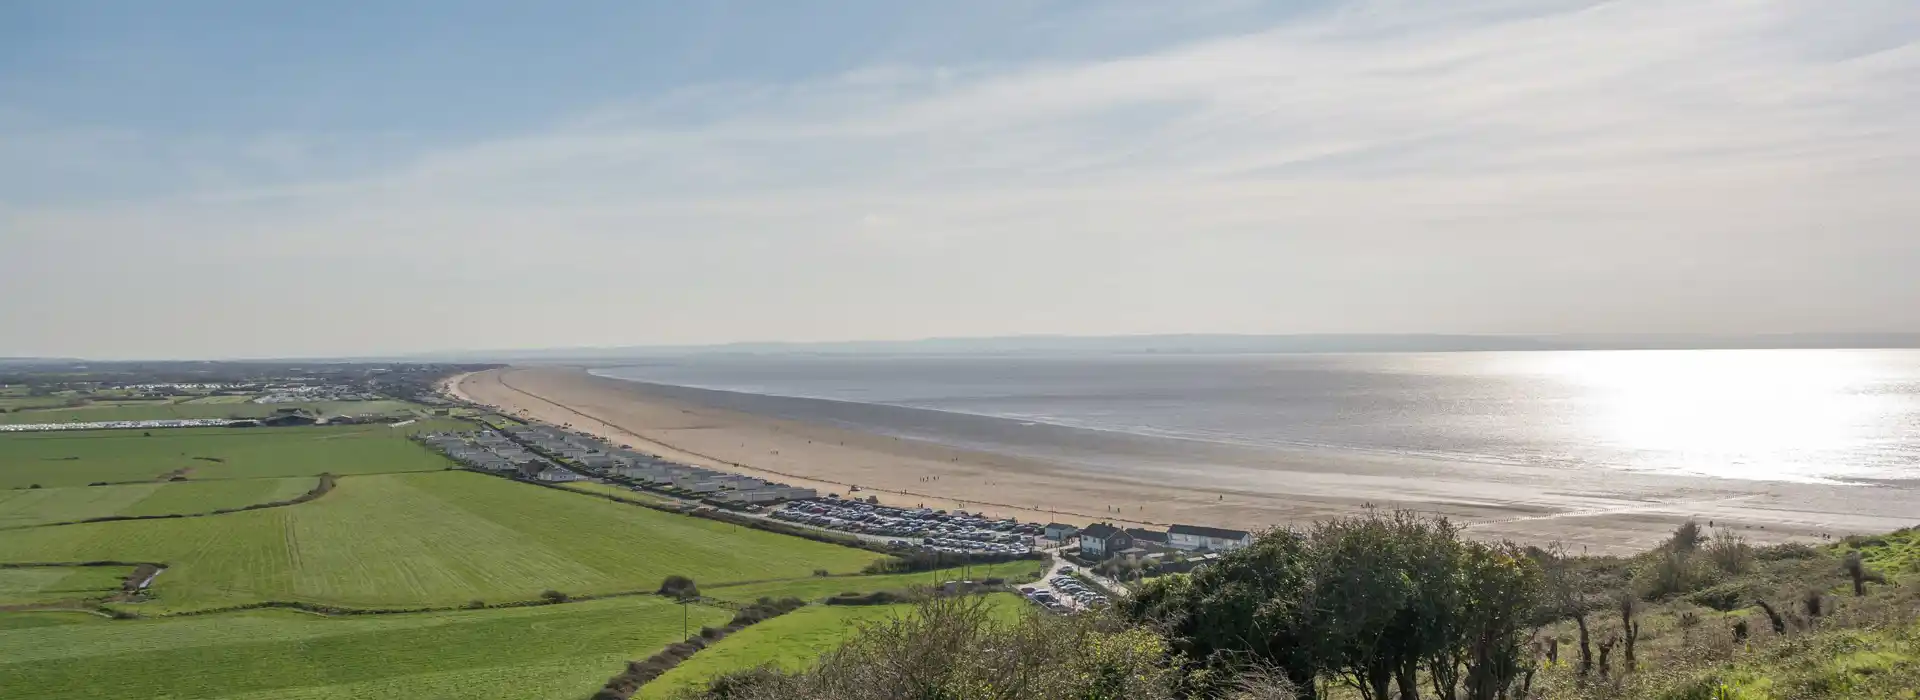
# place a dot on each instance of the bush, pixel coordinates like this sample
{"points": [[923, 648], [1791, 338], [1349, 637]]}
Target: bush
{"points": [[553, 596], [1788, 551], [766, 609], [1726, 597], [1671, 574], [822, 572], [874, 598], [1686, 538], [1730, 552], [476, 604], [678, 586]]}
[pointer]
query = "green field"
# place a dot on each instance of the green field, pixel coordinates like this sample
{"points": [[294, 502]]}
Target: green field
{"points": [[22, 507], [398, 530], [79, 458], [820, 587], [442, 538], [559, 652], [109, 410], [34, 585], [791, 641]]}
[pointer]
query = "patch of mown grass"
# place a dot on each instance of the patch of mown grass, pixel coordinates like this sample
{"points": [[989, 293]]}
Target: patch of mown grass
{"points": [[543, 653]]}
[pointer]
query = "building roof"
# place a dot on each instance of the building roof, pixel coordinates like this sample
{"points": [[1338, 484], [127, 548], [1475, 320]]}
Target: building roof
{"points": [[1099, 531], [1204, 531], [1060, 526], [1139, 533]]}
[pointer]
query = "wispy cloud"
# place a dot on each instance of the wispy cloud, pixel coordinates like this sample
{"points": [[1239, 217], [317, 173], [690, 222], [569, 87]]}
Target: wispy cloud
{"points": [[1494, 166]]}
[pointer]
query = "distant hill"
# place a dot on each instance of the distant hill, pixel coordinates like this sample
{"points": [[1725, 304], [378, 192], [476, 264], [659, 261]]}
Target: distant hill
{"points": [[1224, 343]]}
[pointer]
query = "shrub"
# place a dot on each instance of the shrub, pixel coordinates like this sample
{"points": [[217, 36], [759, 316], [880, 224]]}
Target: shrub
{"points": [[711, 633], [476, 604], [678, 586], [553, 596], [1671, 574], [874, 598], [822, 572], [1788, 551], [765, 610], [1730, 552], [1726, 597], [1686, 538]]}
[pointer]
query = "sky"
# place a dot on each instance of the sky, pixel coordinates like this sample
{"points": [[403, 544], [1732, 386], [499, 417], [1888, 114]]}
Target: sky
{"points": [[238, 179]]}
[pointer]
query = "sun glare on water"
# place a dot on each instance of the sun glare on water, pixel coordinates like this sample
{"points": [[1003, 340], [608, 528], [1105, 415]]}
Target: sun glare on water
{"points": [[1777, 415]]}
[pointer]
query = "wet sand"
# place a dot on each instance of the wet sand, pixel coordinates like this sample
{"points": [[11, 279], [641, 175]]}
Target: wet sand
{"points": [[1040, 472]]}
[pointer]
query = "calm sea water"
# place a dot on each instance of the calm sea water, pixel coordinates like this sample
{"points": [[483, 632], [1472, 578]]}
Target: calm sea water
{"points": [[1792, 415]]}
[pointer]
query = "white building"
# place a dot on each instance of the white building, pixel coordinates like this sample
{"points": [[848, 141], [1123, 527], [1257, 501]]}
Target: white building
{"points": [[1212, 539]]}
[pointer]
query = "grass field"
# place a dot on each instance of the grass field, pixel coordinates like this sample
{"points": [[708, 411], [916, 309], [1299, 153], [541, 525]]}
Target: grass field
{"points": [[79, 458], [36, 585], [442, 538], [560, 652], [791, 641], [20, 507], [108, 410], [819, 587]]}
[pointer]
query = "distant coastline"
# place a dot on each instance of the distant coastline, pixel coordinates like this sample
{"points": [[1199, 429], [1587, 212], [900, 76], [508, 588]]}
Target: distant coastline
{"points": [[1222, 344]]}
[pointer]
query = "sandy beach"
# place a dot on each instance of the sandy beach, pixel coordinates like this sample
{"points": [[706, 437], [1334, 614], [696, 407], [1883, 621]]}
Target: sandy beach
{"points": [[1613, 512]]}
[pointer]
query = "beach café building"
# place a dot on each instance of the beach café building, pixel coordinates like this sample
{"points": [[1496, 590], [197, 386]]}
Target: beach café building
{"points": [[1059, 532], [1212, 539]]}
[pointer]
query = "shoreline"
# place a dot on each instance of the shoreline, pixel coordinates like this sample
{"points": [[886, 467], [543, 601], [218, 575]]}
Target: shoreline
{"points": [[1599, 511]]}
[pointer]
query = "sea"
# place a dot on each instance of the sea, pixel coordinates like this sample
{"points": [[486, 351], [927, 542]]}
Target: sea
{"points": [[1813, 416]]}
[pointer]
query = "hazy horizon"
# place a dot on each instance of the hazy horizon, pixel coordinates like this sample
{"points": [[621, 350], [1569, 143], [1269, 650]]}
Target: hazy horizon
{"points": [[214, 179]]}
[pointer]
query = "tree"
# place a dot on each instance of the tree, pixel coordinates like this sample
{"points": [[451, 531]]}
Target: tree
{"points": [[679, 587], [1249, 610], [1566, 597], [1374, 602]]}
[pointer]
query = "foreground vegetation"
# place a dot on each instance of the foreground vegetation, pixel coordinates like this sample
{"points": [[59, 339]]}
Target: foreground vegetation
{"points": [[1400, 607], [793, 642]]}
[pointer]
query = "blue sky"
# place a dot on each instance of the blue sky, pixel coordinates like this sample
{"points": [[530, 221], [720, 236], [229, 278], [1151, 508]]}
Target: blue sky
{"points": [[641, 172]]}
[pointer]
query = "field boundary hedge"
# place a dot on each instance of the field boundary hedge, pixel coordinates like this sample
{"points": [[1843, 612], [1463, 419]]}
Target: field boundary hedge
{"points": [[325, 486], [640, 673]]}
